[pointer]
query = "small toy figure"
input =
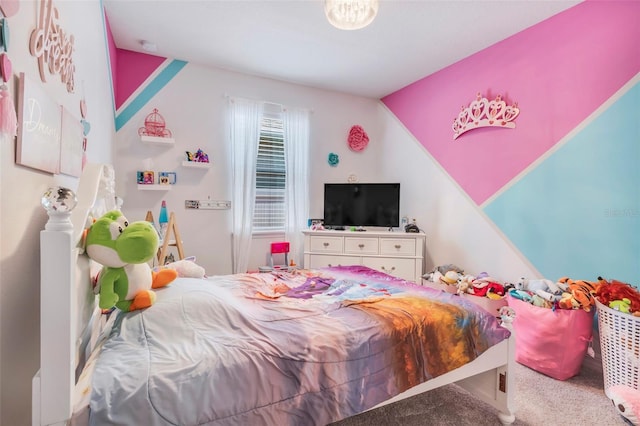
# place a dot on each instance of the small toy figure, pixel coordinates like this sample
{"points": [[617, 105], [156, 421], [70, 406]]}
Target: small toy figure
{"points": [[199, 156]]}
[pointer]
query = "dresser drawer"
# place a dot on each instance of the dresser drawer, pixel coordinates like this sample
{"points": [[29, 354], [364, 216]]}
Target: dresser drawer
{"points": [[322, 244], [401, 268], [397, 247], [322, 260], [361, 245]]}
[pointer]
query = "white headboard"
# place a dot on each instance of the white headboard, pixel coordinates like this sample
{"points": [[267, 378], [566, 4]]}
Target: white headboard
{"points": [[67, 301]]}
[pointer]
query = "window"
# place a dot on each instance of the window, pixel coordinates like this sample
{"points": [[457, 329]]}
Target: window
{"points": [[269, 213]]}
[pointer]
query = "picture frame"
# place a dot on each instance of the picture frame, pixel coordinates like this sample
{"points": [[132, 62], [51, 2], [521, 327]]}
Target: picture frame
{"points": [[38, 143], [146, 177], [167, 178]]}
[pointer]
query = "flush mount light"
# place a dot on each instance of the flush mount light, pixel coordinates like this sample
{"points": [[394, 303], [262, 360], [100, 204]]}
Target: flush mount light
{"points": [[350, 14], [147, 46]]}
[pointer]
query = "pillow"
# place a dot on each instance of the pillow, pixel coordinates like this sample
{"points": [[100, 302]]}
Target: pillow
{"points": [[186, 267]]}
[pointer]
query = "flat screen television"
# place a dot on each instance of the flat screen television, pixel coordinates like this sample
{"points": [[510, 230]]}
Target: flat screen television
{"points": [[361, 204]]}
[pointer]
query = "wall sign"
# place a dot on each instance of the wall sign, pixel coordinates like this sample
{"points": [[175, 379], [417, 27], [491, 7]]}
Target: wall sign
{"points": [[52, 47], [38, 143]]}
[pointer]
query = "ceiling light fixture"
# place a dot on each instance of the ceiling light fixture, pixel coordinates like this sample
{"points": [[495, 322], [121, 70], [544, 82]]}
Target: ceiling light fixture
{"points": [[350, 14], [147, 46]]}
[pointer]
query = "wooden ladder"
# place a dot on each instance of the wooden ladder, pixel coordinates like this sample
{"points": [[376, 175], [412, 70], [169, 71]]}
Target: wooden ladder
{"points": [[171, 238]]}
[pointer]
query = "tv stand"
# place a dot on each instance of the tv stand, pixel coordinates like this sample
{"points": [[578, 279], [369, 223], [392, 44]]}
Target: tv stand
{"points": [[395, 253]]}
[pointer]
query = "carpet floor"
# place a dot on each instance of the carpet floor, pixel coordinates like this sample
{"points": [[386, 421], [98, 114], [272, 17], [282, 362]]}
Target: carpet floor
{"points": [[540, 401]]}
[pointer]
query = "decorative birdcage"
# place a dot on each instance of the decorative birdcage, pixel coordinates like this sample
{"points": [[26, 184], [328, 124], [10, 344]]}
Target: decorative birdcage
{"points": [[154, 125]]}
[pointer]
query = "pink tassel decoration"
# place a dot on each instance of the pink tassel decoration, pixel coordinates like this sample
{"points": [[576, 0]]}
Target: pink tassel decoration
{"points": [[8, 119]]}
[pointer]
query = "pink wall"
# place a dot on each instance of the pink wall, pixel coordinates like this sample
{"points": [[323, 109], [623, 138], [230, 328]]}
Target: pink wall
{"points": [[133, 69], [558, 72]]}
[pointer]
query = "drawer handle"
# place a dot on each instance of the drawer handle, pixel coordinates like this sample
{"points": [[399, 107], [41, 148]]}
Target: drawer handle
{"points": [[393, 268], [361, 245], [325, 244], [397, 246]]}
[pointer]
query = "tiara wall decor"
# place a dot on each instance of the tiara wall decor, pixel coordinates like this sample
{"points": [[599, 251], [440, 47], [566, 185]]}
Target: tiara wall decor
{"points": [[485, 113]]}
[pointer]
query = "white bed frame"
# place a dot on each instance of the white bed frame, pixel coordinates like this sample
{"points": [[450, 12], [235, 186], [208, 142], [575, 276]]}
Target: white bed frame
{"points": [[68, 309]]}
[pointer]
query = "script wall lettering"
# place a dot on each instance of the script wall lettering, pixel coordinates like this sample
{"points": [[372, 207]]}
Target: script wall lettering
{"points": [[52, 47]]}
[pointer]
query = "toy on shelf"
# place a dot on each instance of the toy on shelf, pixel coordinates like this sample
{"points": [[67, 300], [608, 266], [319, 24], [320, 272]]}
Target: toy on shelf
{"points": [[199, 156], [154, 125]]}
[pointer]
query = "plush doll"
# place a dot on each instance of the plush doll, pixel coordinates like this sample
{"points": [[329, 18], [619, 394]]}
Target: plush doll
{"points": [[626, 401], [621, 305], [187, 268], [542, 287], [123, 249], [609, 291], [582, 291], [465, 284]]}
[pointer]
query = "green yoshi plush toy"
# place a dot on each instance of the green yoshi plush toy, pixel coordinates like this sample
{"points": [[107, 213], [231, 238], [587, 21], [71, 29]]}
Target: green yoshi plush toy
{"points": [[123, 249]]}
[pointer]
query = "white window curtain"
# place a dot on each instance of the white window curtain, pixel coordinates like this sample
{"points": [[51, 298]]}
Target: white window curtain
{"points": [[296, 151], [244, 135]]}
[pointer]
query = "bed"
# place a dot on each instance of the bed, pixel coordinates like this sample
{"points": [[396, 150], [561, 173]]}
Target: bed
{"points": [[302, 347]]}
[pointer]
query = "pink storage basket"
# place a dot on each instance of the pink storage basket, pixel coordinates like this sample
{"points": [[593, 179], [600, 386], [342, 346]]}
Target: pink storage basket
{"points": [[552, 342]]}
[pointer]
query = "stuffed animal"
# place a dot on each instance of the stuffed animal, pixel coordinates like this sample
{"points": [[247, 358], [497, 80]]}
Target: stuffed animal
{"points": [[582, 291], [542, 287], [609, 291], [626, 401], [623, 305], [187, 268], [465, 284], [123, 249]]}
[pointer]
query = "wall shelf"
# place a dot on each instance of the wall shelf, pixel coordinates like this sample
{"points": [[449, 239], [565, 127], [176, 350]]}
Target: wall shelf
{"points": [[196, 164], [156, 140], [153, 187]]}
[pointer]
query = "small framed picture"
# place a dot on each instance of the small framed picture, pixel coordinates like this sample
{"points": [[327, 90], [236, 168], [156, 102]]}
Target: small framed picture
{"points": [[167, 178], [146, 177]]}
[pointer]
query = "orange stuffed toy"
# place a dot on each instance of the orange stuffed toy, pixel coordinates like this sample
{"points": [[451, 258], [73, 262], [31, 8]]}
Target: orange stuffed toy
{"points": [[577, 293]]}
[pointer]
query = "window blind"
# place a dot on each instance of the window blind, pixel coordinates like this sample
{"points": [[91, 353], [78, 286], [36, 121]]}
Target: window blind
{"points": [[269, 212]]}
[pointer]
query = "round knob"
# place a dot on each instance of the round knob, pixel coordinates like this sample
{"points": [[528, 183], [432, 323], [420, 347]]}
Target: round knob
{"points": [[59, 199], [325, 244], [361, 245], [397, 246]]}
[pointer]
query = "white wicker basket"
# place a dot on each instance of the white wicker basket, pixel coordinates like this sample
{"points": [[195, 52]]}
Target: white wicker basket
{"points": [[620, 346]]}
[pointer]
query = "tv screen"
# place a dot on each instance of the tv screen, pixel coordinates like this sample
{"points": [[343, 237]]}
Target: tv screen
{"points": [[362, 204]]}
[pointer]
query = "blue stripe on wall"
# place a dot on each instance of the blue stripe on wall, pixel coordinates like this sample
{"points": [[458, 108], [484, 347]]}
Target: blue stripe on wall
{"points": [[578, 213], [149, 92]]}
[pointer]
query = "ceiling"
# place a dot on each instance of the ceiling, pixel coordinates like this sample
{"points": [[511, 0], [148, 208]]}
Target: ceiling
{"points": [[292, 41]]}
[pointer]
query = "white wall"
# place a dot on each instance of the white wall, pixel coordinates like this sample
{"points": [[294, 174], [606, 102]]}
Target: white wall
{"points": [[457, 230], [193, 105], [21, 216]]}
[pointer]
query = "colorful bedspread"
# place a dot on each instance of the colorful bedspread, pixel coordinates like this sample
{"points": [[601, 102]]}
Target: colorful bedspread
{"points": [[302, 348]]}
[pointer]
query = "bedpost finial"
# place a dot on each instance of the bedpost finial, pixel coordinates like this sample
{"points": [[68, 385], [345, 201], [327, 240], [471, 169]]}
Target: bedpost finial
{"points": [[59, 202]]}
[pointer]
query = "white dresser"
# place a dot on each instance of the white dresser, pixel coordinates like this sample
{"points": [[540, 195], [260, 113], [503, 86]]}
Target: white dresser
{"points": [[399, 254]]}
